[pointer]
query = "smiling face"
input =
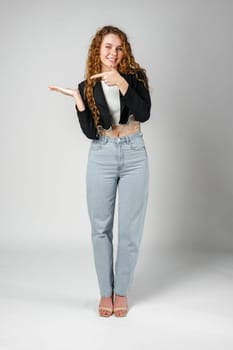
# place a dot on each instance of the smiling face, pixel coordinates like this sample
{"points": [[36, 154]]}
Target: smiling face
{"points": [[111, 52]]}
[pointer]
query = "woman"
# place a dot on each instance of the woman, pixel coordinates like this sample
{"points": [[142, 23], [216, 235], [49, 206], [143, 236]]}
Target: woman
{"points": [[111, 103]]}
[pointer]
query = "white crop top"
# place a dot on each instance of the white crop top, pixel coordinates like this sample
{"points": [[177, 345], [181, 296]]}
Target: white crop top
{"points": [[112, 96]]}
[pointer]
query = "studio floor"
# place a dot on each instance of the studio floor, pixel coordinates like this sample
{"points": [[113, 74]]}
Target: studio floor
{"points": [[49, 298]]}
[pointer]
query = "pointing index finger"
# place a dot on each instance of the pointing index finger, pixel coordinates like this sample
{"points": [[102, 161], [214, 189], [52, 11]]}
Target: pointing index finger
{"points": [[97, 75]]}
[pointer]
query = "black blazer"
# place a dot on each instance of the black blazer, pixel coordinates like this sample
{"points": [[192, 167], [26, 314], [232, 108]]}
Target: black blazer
{"points": [[136, 101]]}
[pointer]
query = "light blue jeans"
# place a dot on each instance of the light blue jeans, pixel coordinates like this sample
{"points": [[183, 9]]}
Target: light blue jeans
{"points": [[117, 164]]}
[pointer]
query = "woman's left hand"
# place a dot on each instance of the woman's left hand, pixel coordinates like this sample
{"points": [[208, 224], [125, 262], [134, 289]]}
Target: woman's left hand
{"points": [[113, 77]]}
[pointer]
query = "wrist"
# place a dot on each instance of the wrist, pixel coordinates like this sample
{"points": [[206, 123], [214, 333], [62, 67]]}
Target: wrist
{"points": [[122, 85], [78, 100], [76, 93]]}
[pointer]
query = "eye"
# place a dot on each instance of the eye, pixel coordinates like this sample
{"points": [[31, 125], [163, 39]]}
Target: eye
{"points": [[119, 49]]}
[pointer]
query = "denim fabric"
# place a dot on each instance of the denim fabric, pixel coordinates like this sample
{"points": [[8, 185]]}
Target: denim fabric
{"points": [[117, 164]]}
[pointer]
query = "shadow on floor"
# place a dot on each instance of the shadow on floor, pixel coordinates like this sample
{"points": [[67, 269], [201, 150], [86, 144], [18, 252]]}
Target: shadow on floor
{"points": [[162, 270]]}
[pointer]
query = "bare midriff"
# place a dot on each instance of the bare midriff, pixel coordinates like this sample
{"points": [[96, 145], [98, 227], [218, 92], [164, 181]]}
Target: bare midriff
{"points": [[122, 129]]}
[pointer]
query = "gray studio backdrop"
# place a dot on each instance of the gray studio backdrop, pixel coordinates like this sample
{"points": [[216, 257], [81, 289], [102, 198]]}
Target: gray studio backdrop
{"points": [[186, 47]]}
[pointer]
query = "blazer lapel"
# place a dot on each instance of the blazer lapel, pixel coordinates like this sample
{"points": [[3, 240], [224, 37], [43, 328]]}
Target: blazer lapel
{"points": [[122, 102], [99, 96]]}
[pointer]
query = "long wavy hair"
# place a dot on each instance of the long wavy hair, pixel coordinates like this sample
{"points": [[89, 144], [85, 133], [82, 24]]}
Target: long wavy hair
{"points": [[128, 65]]}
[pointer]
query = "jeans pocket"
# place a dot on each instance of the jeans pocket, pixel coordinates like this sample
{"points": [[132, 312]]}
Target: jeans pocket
{"points": [[137, 144], [96, 145]]}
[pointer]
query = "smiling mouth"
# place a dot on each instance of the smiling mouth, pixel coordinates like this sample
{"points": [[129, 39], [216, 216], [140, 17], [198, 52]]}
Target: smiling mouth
{"points": [[112, 60]]}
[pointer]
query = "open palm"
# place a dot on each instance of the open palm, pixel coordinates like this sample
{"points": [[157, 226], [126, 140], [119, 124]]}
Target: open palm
{"points": [[65, 91]]}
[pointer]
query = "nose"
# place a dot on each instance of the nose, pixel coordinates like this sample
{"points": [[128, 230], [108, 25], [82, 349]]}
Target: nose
{"points": [[113, 51]]}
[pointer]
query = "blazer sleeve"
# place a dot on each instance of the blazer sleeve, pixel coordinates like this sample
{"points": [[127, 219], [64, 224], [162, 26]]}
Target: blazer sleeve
{"points": [[85, 118], [137, 98]]}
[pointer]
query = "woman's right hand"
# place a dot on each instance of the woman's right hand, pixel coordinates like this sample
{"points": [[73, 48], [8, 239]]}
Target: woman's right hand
{"points": [[70, 92], [65, 91]]}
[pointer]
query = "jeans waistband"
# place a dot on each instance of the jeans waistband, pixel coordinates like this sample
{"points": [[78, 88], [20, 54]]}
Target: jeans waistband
{"points": [[120, 139]]}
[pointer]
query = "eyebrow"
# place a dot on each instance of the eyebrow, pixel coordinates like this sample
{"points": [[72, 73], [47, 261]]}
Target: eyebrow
{"points": [[112, 45]]}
